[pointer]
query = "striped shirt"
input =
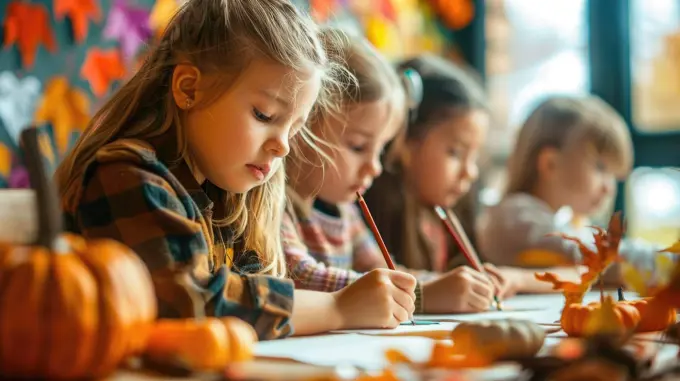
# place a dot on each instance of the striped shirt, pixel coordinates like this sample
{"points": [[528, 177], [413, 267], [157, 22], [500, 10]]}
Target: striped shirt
{"points": [[327, 247], [129, 194]]}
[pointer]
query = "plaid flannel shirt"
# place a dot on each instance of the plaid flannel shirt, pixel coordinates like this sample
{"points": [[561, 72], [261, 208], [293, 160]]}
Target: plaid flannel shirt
{"points": [[328, 251], [129, 194]]}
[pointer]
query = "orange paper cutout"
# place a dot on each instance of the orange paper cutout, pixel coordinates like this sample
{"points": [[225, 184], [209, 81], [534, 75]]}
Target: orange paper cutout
{"points": [[66, 108], [161, 14], [322, 10], [78, 11], [456, 14], [5, 160], [28, 25], [101, 68]]}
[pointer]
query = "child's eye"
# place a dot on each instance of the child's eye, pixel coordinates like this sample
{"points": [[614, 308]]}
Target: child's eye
{"points": [[261, 116], [357, 148], [455, 153]]}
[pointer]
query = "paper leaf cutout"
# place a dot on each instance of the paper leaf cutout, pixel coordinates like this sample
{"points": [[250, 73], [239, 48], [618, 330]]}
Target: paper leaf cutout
{"points": [[161, 14], [322, 10], [28, 25], [101, 68], [128, 25], [18, 99], [66, 108], [5, 160], [79, 12], [675, 249]]}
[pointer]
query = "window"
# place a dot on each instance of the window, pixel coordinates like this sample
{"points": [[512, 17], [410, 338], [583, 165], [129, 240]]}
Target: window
{"points": [[655, 64], [534, 48], [653, 205]]}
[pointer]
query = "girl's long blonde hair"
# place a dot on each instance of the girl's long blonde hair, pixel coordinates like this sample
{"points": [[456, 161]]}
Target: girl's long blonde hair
{"points": [[564, 122], [219, 37]]}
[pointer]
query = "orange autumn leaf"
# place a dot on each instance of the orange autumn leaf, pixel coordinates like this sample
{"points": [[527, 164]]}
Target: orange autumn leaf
{"points": [[79, 12], [557, 283], [101, 68], [456, 14], [66, 108], [675, 248], [28, 26]]}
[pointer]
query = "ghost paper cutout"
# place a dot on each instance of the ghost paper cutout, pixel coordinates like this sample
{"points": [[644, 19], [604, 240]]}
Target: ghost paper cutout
{"points": [[28, 25], [79, 12], [18, 99], [161, 14], [66, 108], [101, 68], [128, 25]]}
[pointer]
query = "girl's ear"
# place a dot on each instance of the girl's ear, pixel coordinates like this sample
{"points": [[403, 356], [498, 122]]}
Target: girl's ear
{"points": [[547, 162], [185, 81]]}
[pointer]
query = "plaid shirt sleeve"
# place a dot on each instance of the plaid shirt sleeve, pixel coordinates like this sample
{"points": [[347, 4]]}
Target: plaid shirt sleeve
{"points": [[367, 255], [139, 207], [304, 269]]}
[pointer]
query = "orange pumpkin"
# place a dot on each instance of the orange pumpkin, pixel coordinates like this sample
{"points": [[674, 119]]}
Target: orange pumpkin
{"points": [[653, 316], [574, 317], [207, 344], [69, 308]]}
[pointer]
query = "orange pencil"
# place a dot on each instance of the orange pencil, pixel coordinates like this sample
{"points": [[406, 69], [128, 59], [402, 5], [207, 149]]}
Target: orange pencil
{"points": [[378, 238]]}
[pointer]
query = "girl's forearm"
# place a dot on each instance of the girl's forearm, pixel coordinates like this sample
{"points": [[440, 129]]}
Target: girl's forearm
{"points": [[315, 312]]}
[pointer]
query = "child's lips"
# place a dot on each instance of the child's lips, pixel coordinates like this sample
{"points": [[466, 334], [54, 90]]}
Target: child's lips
{"points": [[260, 171]]}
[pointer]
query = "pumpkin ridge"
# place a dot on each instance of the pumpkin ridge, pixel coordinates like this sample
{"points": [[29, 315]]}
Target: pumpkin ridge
{"points": [[4, 282], [48, 312]]}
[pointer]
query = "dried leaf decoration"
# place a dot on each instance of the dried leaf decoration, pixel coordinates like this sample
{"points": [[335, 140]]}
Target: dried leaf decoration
{"points": [[66, 108], [101, 68], [79, 12], [28, 25]]}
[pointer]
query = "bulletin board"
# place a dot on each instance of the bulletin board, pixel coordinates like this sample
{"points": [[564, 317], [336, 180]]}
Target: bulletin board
{"points": [[60, 59]]}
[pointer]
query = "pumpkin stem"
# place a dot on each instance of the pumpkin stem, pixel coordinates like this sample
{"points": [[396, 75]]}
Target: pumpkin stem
{"points": [[620, 293], [601, 285], [47, 201]]}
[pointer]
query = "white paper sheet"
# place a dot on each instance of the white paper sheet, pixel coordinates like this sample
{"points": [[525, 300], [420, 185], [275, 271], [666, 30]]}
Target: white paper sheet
{"points": [[537, 316], [405, 329], [362, 351]]}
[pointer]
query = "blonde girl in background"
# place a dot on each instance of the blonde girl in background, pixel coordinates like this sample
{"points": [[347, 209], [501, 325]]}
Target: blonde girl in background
{"points": [[326, 242], [563, 169], [184, 165]]}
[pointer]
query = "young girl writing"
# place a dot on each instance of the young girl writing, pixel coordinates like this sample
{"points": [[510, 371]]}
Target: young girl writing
{"points": [[564, 167], [184, 165], [435, 165], [326, 242]]}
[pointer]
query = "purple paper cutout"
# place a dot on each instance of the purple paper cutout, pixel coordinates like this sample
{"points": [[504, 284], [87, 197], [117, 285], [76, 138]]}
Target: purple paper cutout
{"points": [[18, 178], [129, 25]]}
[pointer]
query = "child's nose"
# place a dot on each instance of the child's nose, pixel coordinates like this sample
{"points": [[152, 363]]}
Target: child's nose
{"points": [[280, 145], [375, 167], [470, 170]]}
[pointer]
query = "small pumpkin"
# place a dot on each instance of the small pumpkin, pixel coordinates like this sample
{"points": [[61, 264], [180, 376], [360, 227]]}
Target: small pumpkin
{"points": [[69, 308], [653, 316], [207, 344], [575, 317], [498, 339]]}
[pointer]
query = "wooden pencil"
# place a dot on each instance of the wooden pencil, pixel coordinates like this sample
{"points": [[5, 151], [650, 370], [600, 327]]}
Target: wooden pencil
{"points": [[378, 237], [465, 247]]}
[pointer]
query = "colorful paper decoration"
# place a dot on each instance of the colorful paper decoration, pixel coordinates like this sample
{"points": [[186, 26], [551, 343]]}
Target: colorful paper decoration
{"points": [[28, 26], [129, 25], [66, 108], [161, 14], [383, 34], [456, 14], [101, 68], [79, 12], [18, 99], [322, 10], [5, 160]]}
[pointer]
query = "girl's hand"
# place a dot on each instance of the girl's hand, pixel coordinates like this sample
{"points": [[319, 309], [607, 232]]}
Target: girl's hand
{"points": [[380, 299], [462, 289], [510, 280]]}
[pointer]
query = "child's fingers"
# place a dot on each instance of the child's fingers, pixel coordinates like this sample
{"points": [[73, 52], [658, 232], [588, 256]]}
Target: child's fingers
{"points": [[404, 299], [400, 313], [404, 281], [478, 302], [483, 288]]}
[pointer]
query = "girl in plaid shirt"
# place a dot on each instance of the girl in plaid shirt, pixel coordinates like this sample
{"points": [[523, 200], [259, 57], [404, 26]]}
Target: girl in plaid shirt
{"points": [[184, 165], [326, 243]]}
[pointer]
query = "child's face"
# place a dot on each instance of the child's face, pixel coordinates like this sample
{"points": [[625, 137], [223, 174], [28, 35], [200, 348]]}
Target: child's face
{"points": [[237, 142], [359, 143], [585, 180], [443, 164]]}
